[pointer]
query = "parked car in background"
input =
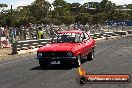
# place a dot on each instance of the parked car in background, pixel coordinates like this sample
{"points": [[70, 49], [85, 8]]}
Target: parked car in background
{"points": [[67, 48]]}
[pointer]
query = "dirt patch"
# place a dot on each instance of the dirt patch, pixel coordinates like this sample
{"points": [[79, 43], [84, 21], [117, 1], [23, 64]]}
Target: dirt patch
{"points": [[5, 54]]}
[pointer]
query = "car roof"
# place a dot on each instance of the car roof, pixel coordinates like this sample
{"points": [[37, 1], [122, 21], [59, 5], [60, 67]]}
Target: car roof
{"points": [[71, 31]]}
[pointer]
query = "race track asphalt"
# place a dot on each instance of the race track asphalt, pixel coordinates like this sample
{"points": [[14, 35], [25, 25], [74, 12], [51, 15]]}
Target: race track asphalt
{"points": [[111, 57]]}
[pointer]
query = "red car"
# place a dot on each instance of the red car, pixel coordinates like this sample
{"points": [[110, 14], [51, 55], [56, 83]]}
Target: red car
{"points": [[67, 48]]}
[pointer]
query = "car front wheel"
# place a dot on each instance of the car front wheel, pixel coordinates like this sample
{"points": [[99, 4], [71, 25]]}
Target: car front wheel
{"points": [[90, 56], [78, 61]]}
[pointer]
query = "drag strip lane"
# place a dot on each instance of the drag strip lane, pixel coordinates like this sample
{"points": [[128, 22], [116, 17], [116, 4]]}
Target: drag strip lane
{"points": [[110, 57]]}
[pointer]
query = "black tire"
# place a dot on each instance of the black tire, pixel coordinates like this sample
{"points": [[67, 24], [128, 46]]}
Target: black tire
{"points": [[42, 64], [90, 56], [78, 61]]}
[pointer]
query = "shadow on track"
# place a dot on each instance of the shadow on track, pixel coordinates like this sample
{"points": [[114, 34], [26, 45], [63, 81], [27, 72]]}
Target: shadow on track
{"points": [[52, 68]]}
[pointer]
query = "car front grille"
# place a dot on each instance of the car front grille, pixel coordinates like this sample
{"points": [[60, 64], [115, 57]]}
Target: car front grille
{"points": [[54, 54]]}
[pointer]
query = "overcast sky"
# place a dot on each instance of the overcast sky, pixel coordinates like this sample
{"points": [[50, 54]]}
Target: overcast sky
{"points": [[16, 3]]}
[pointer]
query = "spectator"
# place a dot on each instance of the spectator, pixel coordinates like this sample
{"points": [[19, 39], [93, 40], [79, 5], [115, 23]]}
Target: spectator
{"points": [[40, 33]]}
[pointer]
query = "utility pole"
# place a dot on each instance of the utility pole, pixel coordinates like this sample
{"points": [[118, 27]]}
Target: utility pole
{"points": [[0, 38], [11, 19], [47, 9], [47, 5], [14, 46]]}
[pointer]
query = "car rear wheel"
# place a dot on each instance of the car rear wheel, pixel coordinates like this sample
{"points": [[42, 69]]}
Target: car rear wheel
{"points": [[90, 56], [42, 64], [78, 61]]}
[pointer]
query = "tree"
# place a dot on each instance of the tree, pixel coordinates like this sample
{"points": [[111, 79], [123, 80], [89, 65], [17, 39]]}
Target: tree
{"points": [[61, 7], [99, 18], [67, 19], [39, 9], [75, 7], [68, 13], [5, 18], [84, 18], [118, 15], [106, 6], [3, 5]]}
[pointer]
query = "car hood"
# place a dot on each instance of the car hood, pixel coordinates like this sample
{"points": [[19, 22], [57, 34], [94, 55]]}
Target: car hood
{"points": [[57, 47]]}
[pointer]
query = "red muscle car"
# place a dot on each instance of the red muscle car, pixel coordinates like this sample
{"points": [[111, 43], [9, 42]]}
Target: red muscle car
{"points": [[67, 48]]}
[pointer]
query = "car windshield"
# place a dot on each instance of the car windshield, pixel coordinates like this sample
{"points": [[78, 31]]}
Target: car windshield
{"points": [[65, 38]]}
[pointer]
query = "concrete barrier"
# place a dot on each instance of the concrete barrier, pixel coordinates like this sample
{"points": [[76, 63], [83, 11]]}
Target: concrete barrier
{"points": [[30, 44], [110, 33], [129, 32], [98, 35], [121, 33], [93, 36]]}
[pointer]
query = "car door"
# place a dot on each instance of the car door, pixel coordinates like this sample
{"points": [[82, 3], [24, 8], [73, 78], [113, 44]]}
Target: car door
{"points": [[79, 45], [87, 43], [84, 45]]}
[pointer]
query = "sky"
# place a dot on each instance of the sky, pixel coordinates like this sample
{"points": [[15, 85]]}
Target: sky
{"points": [[17, 3]]}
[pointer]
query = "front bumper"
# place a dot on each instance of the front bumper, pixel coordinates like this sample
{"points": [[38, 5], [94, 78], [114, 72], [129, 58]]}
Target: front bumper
{"points": [[63, 60]]}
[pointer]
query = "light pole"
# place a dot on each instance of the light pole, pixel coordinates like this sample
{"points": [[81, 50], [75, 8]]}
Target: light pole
{"points": [[0, 31], [0, 38], [47, 10], [14, 46], [0, 35]]}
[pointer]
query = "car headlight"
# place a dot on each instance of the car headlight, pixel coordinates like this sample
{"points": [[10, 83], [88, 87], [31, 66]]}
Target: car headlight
{"points": [[40, 54], [69, 54]]}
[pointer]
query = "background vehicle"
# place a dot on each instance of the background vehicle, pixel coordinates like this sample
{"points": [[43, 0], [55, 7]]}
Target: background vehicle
{"points": [[67, 48]]}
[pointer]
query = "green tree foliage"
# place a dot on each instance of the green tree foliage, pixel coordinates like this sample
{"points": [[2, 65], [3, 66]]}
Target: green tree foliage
{"points": [[99, 18], [39, 9], [84, 18], [65, 13], [3, 5], [68, 19], [106, 6], [61, 7], [118, 15], [75, 7]]}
